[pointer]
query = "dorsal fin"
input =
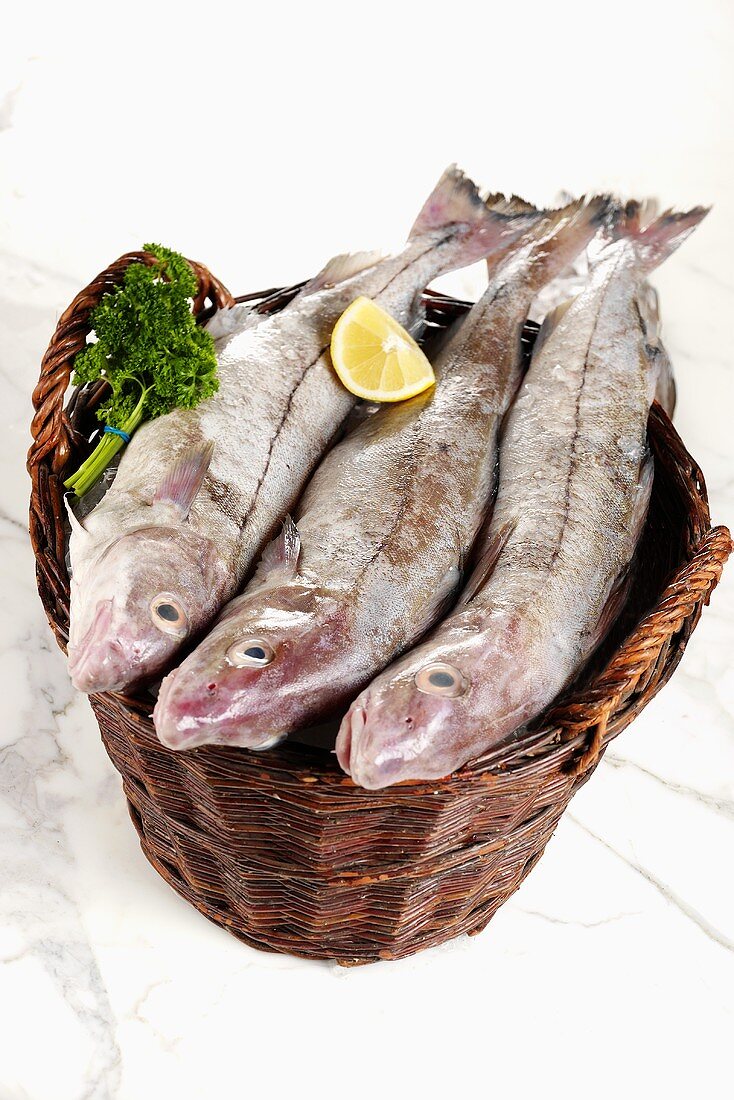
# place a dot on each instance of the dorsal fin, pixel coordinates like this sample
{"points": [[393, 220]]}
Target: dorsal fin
{"points": [[340, 268], [550, 323]]}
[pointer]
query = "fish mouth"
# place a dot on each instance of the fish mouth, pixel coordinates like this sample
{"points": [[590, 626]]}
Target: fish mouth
{"points": [[167, 717], [368, 748], [95, 663], [352, 750], [182, 722], [352, 725]]}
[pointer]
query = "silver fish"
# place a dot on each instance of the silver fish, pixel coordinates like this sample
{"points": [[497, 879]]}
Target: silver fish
{"points": [[199, 492], [382, 532], [572, 281], [574, 487]]}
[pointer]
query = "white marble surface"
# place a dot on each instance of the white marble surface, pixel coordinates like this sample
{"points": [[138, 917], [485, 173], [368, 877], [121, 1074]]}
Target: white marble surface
{"points": [[611, 971]]}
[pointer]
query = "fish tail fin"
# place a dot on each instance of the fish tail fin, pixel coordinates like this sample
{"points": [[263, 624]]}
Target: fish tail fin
{"points": [[475, 229], [455, 200], [654, 240], [563, 235], [510, 204]]}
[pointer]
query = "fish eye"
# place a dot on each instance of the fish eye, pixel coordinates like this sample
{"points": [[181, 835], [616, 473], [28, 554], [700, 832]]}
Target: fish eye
{"points": [[168, 615], [250, 653], [440, 679]]}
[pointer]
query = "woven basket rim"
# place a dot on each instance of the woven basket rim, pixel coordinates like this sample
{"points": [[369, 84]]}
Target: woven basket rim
{"points": [[577, 726]]}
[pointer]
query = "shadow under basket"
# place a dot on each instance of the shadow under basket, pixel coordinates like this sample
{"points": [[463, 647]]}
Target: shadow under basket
{"points": [[281, 848]]}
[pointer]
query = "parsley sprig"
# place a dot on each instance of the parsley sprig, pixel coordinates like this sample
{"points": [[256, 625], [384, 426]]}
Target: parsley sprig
{"points": [[149, 350]]}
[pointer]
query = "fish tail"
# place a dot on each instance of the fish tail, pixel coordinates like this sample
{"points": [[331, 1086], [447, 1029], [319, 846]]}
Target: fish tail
{"points": [[563, 234], [654, 240], [510, 204], [473, 230]]}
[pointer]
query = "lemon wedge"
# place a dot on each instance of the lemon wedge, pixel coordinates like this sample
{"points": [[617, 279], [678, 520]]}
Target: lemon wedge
{"points": [[375, 357]]}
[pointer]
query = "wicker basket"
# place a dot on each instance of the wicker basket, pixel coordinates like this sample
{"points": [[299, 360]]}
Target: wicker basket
{"points": [[281, 848]]}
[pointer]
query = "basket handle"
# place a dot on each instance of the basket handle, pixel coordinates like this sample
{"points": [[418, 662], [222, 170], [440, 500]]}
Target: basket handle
{"points": [[644, 661], [50, 428]]}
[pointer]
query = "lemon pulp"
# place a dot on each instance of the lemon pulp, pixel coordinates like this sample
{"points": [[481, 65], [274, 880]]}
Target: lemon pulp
{"points": [[375, 357]]}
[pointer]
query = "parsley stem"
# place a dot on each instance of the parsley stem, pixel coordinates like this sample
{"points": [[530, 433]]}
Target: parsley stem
{"points": [[95, 465]]}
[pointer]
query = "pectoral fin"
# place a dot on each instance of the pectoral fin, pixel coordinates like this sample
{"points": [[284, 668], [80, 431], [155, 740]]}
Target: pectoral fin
{"points": [[443, 600], [184, 478], [77, 527], [280, 557], [486, 563]]}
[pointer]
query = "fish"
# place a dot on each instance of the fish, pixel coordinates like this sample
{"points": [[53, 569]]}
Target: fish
{"points": [[552, 567], [573, 280], [199, 492], [375, 551]]}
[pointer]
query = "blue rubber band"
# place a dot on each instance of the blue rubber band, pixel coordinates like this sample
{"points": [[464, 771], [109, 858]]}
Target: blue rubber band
{"points": [[117, 431]]}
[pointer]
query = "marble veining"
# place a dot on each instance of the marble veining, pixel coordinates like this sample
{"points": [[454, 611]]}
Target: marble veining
{"points": [[687, 910]]}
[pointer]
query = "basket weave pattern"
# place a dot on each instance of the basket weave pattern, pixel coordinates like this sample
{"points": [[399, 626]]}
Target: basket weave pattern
{"points": [[281, 848]]}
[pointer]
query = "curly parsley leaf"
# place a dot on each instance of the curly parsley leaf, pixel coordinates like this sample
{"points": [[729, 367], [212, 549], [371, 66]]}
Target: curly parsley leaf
{"points": [[148, 349]]}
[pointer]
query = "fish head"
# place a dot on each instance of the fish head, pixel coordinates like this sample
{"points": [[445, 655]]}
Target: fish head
{"points": [[135, 604], [436, 708], [406, 724], [258, 675]]}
